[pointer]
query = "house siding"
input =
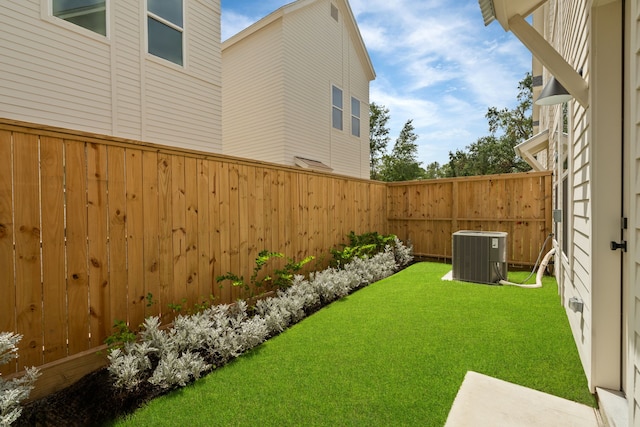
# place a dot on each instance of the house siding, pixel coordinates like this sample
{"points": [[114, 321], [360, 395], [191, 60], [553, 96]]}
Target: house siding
{"points": [[586, 34], [564, 28], [253, 96], [633, 276], [110, 85], [277, 90]]}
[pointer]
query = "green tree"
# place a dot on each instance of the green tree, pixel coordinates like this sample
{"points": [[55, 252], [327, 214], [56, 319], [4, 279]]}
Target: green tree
{"points": [[378, 137], [402, 163], [494, 153]]}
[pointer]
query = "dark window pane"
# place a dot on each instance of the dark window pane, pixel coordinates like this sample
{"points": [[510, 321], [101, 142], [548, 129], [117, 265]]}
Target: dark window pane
{"points": [[171, 10], [337, 97], [337, 118], [164, 41], [89, 14], [355, 107], [355, 126]]}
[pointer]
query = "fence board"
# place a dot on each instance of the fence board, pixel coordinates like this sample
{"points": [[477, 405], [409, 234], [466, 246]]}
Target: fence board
{"points": [[8, 300], [27, 240], [191, 237], [204, 231], [77, 262], [97, 232], [150, 206], [53, 275], [224, 194], [118, 216], [135, 232], [165, 236]]}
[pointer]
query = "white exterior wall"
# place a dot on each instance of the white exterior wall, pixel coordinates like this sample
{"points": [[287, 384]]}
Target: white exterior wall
{"points": [[587, 35], [253, 96], [59, 74], [633, 273], [277, 90]]}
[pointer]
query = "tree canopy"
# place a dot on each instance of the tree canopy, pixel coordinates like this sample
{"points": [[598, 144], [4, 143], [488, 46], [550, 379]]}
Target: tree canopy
{"points": [[491, 154]]}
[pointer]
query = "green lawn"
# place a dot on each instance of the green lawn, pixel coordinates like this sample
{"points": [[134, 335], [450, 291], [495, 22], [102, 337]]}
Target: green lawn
{"points": [[394, 353]]}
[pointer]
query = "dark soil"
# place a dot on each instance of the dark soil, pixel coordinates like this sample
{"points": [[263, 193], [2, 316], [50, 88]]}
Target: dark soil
{"points": [[92, 401]]}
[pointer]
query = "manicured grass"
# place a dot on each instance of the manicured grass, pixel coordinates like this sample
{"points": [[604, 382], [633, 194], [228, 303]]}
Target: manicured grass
{"points": [[394, 353]]}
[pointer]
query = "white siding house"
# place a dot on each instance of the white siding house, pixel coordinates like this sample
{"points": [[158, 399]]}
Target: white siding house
{"points": [[86, 65], [592, 143], [296, 89]]}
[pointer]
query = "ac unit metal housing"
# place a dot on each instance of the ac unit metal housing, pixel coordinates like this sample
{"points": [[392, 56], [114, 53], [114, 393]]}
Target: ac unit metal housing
{"points": [[479, 256]]}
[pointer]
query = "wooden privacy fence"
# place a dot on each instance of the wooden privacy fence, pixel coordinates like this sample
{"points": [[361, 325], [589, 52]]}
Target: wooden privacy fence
{"points": [[426, 213], [92, 226]]}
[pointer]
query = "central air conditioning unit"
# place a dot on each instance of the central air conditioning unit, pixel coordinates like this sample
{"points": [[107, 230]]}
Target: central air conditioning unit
{"points": [[479, 256]]}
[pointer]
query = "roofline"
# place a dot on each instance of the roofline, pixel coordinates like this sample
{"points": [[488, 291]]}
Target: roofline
{"points": [[299, 4]]}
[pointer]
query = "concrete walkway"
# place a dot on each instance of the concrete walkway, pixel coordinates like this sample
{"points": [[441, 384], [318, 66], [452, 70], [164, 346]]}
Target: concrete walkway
{"points": [[486, 401]]}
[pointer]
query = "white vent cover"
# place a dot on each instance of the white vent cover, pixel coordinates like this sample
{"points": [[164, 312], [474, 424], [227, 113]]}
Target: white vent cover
{"points": [[311, 164], [479, 256]]}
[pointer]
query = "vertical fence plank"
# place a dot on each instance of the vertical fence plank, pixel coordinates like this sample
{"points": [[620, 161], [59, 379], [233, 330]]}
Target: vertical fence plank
{"points": [[234, 227], [270, 204], [224, 194], [77, 262], [150, 209], [98, 244], [165, 236], [54, 286], [191, 223], [245, 263], [27, 217], [214, 227], [179, 229], [259, 211], [7, 279], [118, 216], [250, 203], [204, 253], [135, 234]]}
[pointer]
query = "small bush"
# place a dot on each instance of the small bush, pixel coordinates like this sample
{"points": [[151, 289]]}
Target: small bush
{"points": [[361, 246], [16, 390]]}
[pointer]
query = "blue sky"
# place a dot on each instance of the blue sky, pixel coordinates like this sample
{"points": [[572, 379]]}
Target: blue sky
{"points": [[435, 61]]}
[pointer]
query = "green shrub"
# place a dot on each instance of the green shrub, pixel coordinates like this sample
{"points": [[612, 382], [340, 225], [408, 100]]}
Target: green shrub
{"points": [[282, 278], [361, 246]]}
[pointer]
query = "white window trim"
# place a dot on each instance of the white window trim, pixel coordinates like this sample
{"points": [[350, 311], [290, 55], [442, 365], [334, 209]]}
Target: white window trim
{"points": [[182, 29], [46, 14]]}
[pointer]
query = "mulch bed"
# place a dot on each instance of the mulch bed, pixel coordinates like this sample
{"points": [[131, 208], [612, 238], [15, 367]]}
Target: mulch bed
{"points": [[91, 401]]}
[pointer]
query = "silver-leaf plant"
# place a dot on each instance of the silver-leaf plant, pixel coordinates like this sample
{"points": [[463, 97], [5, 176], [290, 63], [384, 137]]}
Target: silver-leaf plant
{"points": [[199, 342], [14, 391]]}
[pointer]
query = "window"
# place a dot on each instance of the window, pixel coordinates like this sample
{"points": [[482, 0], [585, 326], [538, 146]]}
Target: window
{"points": [[355, 117], [89, 14], [336, 114], [334, 12], [165, 28]]}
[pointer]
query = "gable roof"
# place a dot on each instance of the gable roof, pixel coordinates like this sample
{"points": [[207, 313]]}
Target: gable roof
{"points": [[350, 22]]}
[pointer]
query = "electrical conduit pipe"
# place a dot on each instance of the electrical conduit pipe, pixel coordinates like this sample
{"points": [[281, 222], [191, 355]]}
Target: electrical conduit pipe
{"points": [[543, 266]]}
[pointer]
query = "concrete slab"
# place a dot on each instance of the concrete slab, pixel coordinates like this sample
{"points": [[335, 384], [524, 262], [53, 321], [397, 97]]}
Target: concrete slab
{"points": [[613, 407], [486, 401]]}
